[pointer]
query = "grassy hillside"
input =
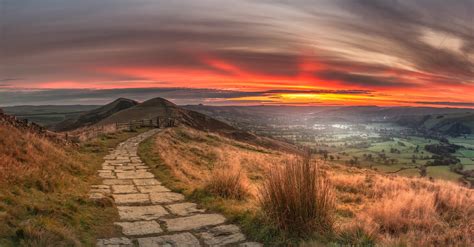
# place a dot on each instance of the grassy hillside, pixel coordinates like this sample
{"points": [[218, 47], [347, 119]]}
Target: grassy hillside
{"points": [[370, 208], [43, 198], [94, 116], [47, 115], [454, 124]]}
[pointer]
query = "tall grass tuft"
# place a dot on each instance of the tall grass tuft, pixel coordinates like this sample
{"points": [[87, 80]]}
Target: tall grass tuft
{"points": [[298, 198], [227, 183]]}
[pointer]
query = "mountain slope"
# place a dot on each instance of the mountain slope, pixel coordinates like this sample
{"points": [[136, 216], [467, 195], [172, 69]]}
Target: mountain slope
{"points": [[455, 124], [372, 208], [159, 107], [96, 115], [43, 189]]}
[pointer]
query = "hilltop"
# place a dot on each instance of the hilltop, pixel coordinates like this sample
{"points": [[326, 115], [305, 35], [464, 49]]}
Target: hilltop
{"points": [[94, 116], [162, 108]]}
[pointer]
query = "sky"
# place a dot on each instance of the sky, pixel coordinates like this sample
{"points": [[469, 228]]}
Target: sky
{"points": [[238, 52]]}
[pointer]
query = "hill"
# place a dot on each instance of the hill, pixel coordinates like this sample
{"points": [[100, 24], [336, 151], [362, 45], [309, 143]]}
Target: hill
{"points": [[47, 115], [159, 107], [454, 124], [94, 116], [44, 185], [371, 208]]}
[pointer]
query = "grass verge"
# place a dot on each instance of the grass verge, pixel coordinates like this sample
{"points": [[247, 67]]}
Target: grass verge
{"points": [[43, 190], [235, 208]]}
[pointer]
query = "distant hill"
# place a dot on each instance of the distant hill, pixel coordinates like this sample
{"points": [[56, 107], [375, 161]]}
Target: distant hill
{"points": [[376, 113], [241, 115], [47, 115], [94, 116], [454, 124], [159, 107]]}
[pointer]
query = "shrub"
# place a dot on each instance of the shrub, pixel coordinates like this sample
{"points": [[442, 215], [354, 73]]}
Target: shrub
{"points": [[298, 199], [227, 183]]}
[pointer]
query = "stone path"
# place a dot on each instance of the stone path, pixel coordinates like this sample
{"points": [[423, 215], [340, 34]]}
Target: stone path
{"points": [[152, 215]]}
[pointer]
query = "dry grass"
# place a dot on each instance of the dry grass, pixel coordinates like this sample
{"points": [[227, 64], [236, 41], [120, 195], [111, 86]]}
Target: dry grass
{"points": [[23, 161], [227, 183], [191, 156], [371, 208], [298, 198], [395, 210], [43, 191]]}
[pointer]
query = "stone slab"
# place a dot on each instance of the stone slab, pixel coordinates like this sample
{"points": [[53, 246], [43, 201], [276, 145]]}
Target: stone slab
{"points": [[193, 222], [114, 242], [181, 239], [104, 189], [146, 181], [250, 244], [139, 228], [124, 189], [222, 235], [141, 212], [106, 175], [165, 197], [117, 181], [134, 175], [152, 188], [184, 209], [131, 198]]}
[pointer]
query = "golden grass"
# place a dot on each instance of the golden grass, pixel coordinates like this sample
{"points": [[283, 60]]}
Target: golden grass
{"points": [[414, 211], [44, 191], [227, 183], [298, 199], [192, 156], [371, 208]]}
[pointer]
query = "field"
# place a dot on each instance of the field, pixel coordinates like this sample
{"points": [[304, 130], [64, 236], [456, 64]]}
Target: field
{"points": [[384, 147]]}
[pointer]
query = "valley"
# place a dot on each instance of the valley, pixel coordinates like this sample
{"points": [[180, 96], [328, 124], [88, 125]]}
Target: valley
{"points": [[365, 178], [369, 137]]}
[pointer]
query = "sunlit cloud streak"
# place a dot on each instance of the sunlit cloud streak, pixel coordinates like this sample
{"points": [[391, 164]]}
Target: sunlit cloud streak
{"points": [[420, 50]]}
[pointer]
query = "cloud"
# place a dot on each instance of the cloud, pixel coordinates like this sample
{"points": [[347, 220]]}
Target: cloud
{"points": [[445, 103], [178, 95], [361, 80], [398, 28], [361, 44]]}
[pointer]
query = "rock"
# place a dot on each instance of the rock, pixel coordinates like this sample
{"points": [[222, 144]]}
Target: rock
{"points": [[184, 209], [124, 189], [115, 242], [152, 188], [181, 239], [222, 235], [165, 197], [131, 198], [139, 227], [104, 189], [250, 244], [193, 222], [141, 212], [96, 196]]}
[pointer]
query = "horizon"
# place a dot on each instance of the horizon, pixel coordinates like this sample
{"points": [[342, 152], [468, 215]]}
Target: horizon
{"points": [[240, 105], [337, 53]]}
